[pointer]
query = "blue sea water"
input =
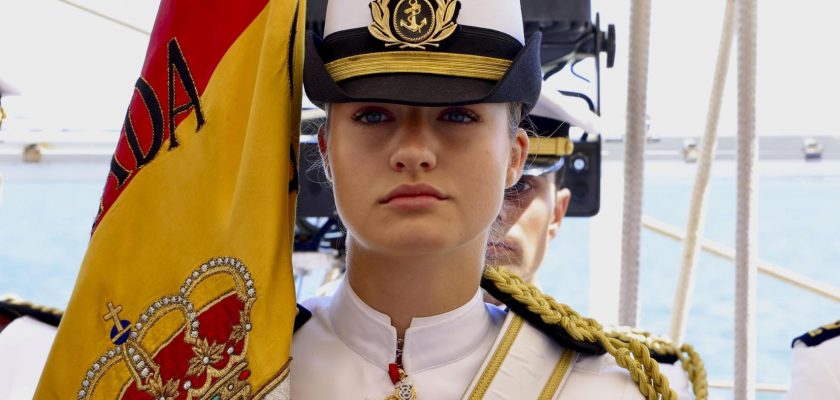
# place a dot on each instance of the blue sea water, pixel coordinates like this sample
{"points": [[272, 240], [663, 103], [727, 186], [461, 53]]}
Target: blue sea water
{"points": [[45, 225], [797, 226]]}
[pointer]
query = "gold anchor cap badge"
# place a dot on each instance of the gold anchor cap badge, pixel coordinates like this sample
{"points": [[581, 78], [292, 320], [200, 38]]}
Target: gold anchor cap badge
{"points": [[413, 23]]}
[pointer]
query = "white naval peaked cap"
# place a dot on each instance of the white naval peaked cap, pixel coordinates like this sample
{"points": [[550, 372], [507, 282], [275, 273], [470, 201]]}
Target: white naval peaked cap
{"points": [[500, 15], [473, 51], [555, 105]]}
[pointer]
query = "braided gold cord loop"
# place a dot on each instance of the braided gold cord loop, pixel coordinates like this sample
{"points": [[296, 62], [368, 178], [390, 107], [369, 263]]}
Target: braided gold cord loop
{"points": [[693, 365], [633, 356], [689, 359]]}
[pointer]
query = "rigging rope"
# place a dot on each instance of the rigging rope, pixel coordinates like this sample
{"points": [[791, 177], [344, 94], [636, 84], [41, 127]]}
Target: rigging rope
{"points": [[745, 243], [700, 192], [634, 148]]}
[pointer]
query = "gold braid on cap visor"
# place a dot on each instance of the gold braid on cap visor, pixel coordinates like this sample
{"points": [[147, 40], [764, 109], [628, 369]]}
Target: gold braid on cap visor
{"points": [[557, 146], [448, 64]]}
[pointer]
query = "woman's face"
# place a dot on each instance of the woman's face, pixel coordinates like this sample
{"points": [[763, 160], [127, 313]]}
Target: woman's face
{"points": [[414, 180]]}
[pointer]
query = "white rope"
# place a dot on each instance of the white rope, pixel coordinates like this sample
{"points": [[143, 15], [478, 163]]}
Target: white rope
{"points": [[107, 17], [634, 147], [697, 211], [745, 242]]}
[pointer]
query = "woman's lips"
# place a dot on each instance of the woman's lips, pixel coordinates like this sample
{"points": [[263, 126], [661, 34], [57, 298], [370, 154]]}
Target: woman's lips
{"points": [[413, 196], [413, 202]]}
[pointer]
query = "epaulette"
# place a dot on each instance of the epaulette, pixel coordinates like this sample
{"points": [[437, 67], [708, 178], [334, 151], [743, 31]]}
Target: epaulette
{"points": [[12, 307], [554, 331], [815, 337], [573, 331], [662, 348], [301, 316]]}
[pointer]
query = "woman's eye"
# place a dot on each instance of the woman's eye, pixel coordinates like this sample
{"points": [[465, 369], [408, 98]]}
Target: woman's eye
{"points": [[371, 117], [459, 116]]}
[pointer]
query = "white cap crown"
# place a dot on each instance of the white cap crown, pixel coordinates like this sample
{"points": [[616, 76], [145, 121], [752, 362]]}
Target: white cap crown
{"points": [[500, 15], [555, 105]]}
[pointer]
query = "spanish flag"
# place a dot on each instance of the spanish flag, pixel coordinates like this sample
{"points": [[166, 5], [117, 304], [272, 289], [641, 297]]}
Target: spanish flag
{"points": [[186, 290]]}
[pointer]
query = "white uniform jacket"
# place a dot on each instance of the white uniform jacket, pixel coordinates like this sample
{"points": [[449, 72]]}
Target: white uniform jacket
{"points": [[344, 351], [24, 346], [815, 372]]}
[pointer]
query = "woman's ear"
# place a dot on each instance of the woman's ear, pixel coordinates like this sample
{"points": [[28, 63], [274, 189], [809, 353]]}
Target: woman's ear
{"points": [[322, 148], [518, 155]]}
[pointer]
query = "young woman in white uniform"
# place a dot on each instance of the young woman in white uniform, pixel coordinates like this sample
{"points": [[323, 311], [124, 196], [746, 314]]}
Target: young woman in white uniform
{"points": [[423, 101]]}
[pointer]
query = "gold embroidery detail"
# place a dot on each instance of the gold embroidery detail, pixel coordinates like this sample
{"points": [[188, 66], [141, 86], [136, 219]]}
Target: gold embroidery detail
{"points": [[240, 331], [158, 390], [421, 30], [448, 64], [422, 33], [205, 355]]}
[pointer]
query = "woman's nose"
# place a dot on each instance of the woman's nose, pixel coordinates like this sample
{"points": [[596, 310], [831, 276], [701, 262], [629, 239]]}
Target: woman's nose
{"points": [[415, 149]]}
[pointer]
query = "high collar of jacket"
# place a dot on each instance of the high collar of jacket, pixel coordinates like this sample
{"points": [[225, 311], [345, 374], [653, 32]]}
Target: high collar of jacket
{"points": [[429, 341]]}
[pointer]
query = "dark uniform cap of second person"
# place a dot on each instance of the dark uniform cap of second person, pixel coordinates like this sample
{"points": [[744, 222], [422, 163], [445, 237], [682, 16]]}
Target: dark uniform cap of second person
{"points": [[423, 52]]}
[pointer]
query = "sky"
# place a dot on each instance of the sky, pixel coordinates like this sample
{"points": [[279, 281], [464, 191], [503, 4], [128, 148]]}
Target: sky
{"points": [[797, 72], [76, 70]]}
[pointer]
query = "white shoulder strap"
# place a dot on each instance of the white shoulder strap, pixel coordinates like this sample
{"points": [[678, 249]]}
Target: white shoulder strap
{"points": [[523, 364]]}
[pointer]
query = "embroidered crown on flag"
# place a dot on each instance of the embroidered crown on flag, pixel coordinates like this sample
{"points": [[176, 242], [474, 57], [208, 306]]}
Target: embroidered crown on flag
{"points": [[204, 354]]}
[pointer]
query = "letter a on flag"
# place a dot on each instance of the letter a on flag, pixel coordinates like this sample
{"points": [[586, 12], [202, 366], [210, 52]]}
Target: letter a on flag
{"points": [[186, 290]]}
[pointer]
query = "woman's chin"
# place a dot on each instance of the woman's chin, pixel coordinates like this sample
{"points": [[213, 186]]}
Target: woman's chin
{"points": [[410, 243], [418, 246]]}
